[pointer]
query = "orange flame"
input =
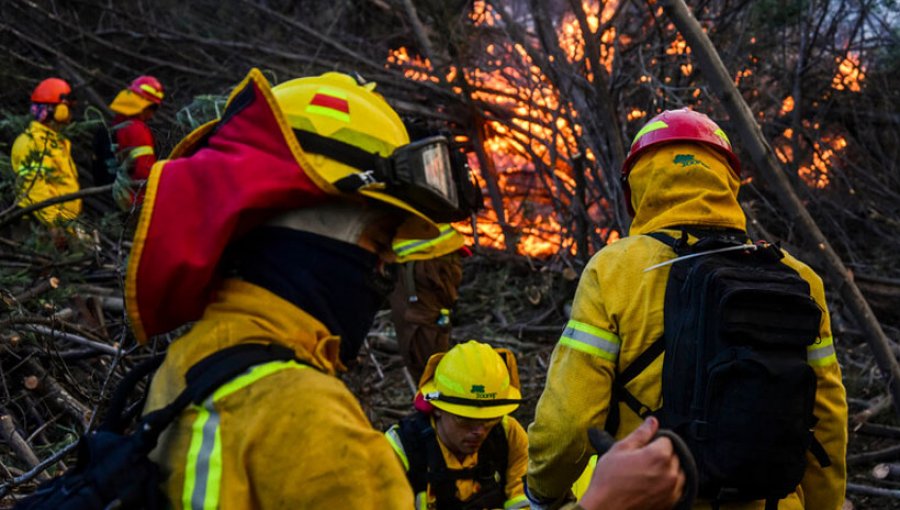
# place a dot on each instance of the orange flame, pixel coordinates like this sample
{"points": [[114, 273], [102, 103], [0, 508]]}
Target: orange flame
{"points": [[815, 171], [850, 73]]}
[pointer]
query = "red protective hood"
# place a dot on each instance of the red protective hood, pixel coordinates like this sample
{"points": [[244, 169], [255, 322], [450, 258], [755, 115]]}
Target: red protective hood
{"points": [[224, 179]]}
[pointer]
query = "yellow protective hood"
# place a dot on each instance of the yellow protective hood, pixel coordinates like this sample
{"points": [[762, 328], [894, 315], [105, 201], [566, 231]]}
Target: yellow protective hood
{"points": [[128, 103], [684, 184]]}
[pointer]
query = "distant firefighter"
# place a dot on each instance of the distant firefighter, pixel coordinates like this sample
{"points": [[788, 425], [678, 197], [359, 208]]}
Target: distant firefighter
{"points": [[124, 154], [41, 156]]}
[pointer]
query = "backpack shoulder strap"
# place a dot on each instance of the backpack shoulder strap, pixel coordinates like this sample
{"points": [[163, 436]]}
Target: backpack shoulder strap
{"points": [[415, 433], [205, 377], [621, 394]]}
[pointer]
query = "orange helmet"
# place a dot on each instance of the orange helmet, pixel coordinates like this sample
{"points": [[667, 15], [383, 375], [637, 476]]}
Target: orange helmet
{"points": [[148, 88], [51, 91]]}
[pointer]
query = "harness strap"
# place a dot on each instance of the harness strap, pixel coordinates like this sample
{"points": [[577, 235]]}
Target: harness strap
{"points": [[621, 394]]}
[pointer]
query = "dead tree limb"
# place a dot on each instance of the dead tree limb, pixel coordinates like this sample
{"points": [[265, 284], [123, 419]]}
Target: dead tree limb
{"points": [[765, 160], [87, 192], [17, 443]]}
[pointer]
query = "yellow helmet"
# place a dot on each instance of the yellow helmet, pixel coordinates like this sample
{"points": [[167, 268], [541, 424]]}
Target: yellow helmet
{"points": [[473, 380], [334, 106]]}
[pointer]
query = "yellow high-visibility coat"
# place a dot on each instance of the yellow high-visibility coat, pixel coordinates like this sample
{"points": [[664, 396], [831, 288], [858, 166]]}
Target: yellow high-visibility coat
{"points": [[618, 313], [283, 435], [42, 160]]}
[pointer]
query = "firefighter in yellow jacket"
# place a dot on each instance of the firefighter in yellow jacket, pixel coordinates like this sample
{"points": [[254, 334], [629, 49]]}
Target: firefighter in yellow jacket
{"points": [[460, 448], [427, 287], [681, 175], [42, 156], [285, 242]]}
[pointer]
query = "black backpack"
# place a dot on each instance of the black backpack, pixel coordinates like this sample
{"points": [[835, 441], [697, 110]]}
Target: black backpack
{"points": [[113, 470], [104, 163], [736, 384], [427, 466]]}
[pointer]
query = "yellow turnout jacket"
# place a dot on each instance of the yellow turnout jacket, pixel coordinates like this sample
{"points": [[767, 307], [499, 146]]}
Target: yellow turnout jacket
{"points": [[618, 313], [42, 160], [282, 435]]}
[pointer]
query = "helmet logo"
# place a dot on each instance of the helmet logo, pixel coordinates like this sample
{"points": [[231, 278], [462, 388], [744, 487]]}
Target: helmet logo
{"points": [[686, 160], [330, 102], [478, 390]]}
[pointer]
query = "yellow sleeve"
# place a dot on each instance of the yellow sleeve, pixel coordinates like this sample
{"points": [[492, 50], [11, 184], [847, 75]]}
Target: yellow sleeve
{"points": [[576, 395], [517, 440], [825, 487], [323, 453]]}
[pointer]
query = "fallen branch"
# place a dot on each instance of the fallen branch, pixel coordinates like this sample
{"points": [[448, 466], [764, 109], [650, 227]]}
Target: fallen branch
{"points": [[886, 471], [872, 491], [17, 444], [874, 429], [87, 192], [104, 348], [58, 396], [886, 454], [38, 470]]}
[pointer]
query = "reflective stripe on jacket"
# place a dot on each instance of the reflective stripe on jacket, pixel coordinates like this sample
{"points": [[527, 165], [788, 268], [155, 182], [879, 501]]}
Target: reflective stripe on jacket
{"points": [[618, 312], [279, 436], [448, 241], [43, 163]]}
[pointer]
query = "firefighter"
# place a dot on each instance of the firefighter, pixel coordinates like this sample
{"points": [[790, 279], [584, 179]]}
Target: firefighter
{"points": [[42, 157], [460, 448], [427, 287], [682, 181], [132, 139]]}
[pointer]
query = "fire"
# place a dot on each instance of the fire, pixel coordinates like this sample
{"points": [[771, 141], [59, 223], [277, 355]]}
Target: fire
{"points": [[787, 105], [849, 73], [636, 113], [815, 171], [538, 127]]}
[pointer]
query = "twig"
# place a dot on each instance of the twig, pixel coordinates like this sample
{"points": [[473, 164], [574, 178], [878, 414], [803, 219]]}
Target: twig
{"points": [[891, 453], [18, 445], [104, 348], [872, 491], [87, 192], [38, 470], [59, 396]]}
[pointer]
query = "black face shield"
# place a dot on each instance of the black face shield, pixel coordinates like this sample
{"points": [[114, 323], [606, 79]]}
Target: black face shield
{"points": [[426, 174]]}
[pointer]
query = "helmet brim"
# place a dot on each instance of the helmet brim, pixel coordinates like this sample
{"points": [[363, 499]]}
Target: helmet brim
{"points": [[478, 413]]}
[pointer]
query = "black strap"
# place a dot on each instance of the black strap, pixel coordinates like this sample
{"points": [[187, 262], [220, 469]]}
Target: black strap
{"points": [[471, 402], [373, 166], [409, 281], [818, 451], [621, 394], [115, 420], [205, 377], [664, 238]]}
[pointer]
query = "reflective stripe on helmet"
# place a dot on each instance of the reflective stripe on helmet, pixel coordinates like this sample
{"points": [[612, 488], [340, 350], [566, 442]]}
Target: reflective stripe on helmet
{"points": [[591, 340], [653, 126], [330, 102], [203, 470], [151, 90], [821, 353]]}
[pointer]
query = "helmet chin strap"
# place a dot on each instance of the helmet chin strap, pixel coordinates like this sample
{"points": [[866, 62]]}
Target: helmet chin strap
{"points": [[342, 221]]}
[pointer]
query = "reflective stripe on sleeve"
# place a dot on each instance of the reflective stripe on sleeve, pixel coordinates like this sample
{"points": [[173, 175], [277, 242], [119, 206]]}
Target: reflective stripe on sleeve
{"points": [[516, 502], [422, 501], [203, 469], [591, 339], [821, 353], [393, 437], [404, 248], [143, 150]]}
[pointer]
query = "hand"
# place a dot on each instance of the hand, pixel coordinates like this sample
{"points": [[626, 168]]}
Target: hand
{"points": [[636, 474]]}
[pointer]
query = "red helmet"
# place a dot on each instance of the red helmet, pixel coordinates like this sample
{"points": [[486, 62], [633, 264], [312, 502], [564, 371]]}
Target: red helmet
{"points": [[149, 88], [677, 126], [680, 126], [51, 91]]}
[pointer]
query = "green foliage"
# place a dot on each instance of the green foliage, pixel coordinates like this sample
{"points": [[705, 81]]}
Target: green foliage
{"points": [[201, 110]]}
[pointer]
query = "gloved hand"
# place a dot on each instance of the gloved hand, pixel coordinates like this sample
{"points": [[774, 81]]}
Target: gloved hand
{"points": [[124, 190]]}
